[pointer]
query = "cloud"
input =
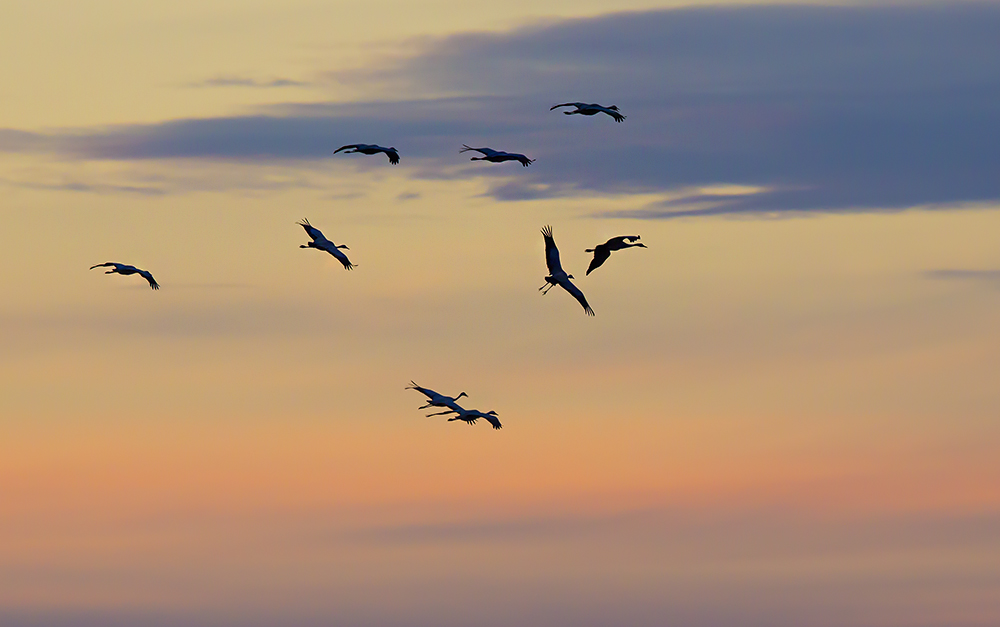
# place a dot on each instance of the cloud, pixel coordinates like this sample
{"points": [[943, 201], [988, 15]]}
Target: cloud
{"points": [[12, 140], [986, 276], [94, 188], [242, 81], [825, 108]]}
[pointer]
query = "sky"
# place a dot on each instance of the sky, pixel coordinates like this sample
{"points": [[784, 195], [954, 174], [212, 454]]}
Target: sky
{"points": [[784, 412]]}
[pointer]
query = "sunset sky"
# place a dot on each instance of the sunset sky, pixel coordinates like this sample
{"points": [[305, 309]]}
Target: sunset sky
{"points": [[785, 413]]}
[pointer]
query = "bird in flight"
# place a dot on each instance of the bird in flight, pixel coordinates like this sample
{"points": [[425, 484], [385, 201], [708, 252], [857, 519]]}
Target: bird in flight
{"points": [[371, 149], [603, 251], [121, 268], [435, 399], [557, 276], [319, 242], [470, 416], [583, 108], [497, 156]]}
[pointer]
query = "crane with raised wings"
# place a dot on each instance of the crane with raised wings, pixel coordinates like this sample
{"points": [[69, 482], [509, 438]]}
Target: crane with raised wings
{"points": [[558, 276]]}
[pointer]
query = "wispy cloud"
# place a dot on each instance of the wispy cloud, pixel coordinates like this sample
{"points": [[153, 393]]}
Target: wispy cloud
{"points": [[93, 188], [244, 81], [991, 277]]}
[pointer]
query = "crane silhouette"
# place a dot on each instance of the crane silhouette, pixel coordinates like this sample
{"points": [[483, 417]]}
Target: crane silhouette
{"points": [[370, 149], [603, 251], [121, 268], [434, 399], [557, 276], [497, 156], [319, 242], [470, 416], [583, 108]]}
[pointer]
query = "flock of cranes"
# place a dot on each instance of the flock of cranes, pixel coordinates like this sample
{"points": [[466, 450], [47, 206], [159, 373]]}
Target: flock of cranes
{"points": [[556, 276]]}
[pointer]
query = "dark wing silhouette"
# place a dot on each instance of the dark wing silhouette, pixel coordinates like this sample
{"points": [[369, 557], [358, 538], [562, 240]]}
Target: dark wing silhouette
{"points": [[424, 391], [149, 277], [613, 112], [486, 151], [601, 254], [348, 146], [617, 243], [104, 265], [342, 258], [551, 252], [312, 231], [577, 294], [525, 161], [493, 420], [392, 154], [567, 104]]}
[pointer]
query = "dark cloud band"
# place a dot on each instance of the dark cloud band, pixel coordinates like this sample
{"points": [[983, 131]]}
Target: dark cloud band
{"points": [[827, 108]]}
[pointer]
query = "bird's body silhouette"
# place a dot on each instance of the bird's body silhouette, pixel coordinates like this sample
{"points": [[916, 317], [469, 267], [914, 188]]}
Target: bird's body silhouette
{"points": [[470, 416], [497, 156], [584, 108], [434, 399], [557, 276], [121, 268], [603, 251], [370, 149], [319, 242]]}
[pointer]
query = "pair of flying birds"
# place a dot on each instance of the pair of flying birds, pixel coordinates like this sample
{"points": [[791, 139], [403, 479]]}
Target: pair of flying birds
{"points": [[558, 276], [451, 406], [493, 156]]}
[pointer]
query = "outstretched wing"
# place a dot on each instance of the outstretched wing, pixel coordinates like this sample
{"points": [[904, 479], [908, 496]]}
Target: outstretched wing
{"points": [[493, 420], [392, 154], [551, 252], [149, 277], [578, 295], [105, 264], [347, 147], [567, 104], [617, 243], [614, 113], [483, 151], [341, 257], [601, 254], [426, 392], [313, 232], [525, 161]]}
